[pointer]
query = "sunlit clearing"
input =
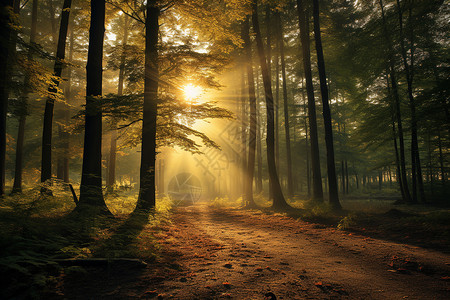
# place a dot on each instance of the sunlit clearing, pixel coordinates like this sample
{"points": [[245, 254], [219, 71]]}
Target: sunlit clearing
{"points": [[192, 92]]}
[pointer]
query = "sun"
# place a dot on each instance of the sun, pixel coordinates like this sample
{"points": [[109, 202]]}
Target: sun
{"points": [[192, 92]]}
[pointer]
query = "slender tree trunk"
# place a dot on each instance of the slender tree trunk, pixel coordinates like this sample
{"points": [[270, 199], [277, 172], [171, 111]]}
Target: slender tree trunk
{"points": [[315, 158], [6, 51], [346, 177], [46, 163], [113, 144], [259, 185], [91, 194], [307, 148], [243, 157], [63, 135], [407, 195], [17, 185], [161, 189], [278, 199], [441, 160], [147, 199], [394, 132], [66, 143], [269, 33], [331, 167], [280, 43], [417, 181], [252, 101], [430, 172]]}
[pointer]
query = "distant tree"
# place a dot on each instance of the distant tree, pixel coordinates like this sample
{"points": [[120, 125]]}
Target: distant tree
{"points": [[18, 171], [46, 163], [396, 98], [280, 42], [416, 168], [278, 198], [252, 101], [6, 9], [113, 147], [317, 194], [331, 167]]}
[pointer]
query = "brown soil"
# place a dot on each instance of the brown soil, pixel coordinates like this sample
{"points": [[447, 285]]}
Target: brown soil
{"points": [[212, 253]]}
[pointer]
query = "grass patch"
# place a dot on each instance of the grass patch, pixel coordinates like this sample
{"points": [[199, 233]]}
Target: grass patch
{"points": [[221, 202]]}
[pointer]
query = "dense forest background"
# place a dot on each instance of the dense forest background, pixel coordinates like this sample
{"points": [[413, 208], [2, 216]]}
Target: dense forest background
{"points": [[120, 106], [386, 80]]}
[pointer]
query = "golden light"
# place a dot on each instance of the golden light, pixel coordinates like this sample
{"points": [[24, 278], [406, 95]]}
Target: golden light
{"points": [[192, 92]]}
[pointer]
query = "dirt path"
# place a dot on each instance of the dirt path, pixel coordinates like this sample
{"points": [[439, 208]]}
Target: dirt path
{"points": [[226, 253]]}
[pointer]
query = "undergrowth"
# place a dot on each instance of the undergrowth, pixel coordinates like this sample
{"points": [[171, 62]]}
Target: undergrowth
{"points": [[37, 232]]}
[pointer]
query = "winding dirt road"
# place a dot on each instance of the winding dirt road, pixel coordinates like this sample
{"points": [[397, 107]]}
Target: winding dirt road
{"points": [[228, 253]]}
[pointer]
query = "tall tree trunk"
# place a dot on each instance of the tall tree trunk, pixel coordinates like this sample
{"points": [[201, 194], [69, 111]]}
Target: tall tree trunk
{"points": [[91, 194], [417, 181], [331, 167], [346, 177], [147, 199], [252, 101], [46, 163], [394, 133], [307, 144], [243, 101], [278, 199], [269, 33], [113, 144], [67, 113], [317, 194], [63, 154], [6, 51], [161, 189], [280, 43], [441, 160], [17, 186], [259, 184], [407, 195]]}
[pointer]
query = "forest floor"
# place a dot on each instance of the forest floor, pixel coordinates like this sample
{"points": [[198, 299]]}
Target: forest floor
{"points": [[227, 253]]}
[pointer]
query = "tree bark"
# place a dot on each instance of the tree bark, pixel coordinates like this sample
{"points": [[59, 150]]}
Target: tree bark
{"points": [[46, 163], [278, 199], [91, 194], [252, 103], [331, 167], [147, 198], [317, 194]]}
